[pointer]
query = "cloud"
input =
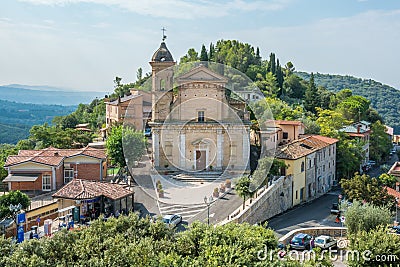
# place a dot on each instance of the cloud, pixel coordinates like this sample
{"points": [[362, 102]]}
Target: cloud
{"points": [[180, 9]]}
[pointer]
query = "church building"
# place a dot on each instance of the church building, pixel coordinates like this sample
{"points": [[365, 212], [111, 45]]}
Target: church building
{"points": [[197, 125]]}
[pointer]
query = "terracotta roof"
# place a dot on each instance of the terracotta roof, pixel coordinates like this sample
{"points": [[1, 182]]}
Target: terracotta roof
{"points": [[325, 139], [302, 147], [84, 189], [393, 192], [53, 156]]}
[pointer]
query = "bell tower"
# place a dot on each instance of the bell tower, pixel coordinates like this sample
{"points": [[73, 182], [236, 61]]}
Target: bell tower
{"points": [[162, 82]]}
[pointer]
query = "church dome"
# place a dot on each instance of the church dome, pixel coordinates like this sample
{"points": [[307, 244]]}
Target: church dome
{"points": [[162, 54]]}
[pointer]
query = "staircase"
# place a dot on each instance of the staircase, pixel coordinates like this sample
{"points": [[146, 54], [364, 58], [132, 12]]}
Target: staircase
{"points": [[200, 177]]}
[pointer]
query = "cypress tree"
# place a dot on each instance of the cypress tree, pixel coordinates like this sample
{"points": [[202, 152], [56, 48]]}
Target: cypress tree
{"points": [[279, 77], [203, 54], [311, 95]]}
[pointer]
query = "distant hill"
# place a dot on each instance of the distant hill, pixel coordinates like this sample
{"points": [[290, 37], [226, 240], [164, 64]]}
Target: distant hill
{"points": [[385, 99], [46, 95], [16, 119]]}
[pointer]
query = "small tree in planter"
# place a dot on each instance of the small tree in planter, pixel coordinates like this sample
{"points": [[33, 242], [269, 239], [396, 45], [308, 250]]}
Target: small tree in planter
{"points": [[216, 192], [222, 188], [157, 183], [228, 183]]}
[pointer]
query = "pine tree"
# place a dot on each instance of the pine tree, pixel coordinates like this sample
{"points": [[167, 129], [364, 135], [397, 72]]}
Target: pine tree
{"points": [[311, 95], [203, 54]]}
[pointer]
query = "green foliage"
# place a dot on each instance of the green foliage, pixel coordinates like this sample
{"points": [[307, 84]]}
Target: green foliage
{"points": [[349, 155], [5, 151], [203, 54], [44, 136], [366, 217], [375, 247], [354, 108], [114, 146], [17, 118], [387, 180], [191, 56], [311, 100], [382, 96], [367, 189], [242, 187], [130, 241], [14, 198], [125, 142], [380, 144]]}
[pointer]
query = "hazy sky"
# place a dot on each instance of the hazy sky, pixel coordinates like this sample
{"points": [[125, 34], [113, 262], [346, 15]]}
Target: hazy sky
{"points": [[84, 44]]}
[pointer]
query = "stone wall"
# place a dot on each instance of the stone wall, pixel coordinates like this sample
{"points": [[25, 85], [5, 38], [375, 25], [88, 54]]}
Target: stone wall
{"points": [[273, 200], [336, 232]]}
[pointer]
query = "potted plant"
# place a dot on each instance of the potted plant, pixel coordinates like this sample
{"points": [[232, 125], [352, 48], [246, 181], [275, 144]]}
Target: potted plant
{"points": [[216, 192], [160, 193], [228, 183], [222, 188], [211, 167]]}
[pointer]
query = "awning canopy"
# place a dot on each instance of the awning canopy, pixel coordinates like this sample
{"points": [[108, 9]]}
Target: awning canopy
{"points": [[21, 178], [66, 209]]}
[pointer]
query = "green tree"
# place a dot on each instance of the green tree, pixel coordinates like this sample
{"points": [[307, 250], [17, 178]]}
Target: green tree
{"points": [[125, 143], [354, 108], [114, 146], [203, 54], [242, 187], [366, 217], [378, 244], [380, 144], [330, 122], [130, 241], [14, 198], [311, 100], [191, 56], [134, 144], [349, 154], [367, 189]]}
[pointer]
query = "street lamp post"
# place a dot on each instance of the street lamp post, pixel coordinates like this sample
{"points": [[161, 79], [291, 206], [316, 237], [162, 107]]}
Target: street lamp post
{"points": [[208, 202]]}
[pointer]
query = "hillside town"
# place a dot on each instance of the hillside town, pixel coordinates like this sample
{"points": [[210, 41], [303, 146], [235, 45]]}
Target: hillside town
{"points": [[190, 145]]}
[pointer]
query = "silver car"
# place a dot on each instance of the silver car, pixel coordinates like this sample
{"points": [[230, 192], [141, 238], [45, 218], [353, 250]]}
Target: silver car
{"points": [[325, 242], [172, 220]]}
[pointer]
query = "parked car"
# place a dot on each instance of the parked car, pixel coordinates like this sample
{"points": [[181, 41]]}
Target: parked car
{"points": [[335, 208], [172, 220], [325, 242], [301, 241]]}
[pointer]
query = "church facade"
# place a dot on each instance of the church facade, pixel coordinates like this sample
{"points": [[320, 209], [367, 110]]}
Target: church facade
{"points": [[196, 125]]}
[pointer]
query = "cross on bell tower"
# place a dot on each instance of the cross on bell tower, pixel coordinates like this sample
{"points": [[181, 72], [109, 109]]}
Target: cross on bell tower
{"points": [[163, 33]]}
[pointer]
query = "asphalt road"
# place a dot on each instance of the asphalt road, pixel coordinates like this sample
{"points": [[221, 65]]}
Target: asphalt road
{"points": [[312, 214]]}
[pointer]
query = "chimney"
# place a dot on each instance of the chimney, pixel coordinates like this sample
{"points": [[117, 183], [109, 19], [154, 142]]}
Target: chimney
{"points": [[398, 187], [358, 128]]}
